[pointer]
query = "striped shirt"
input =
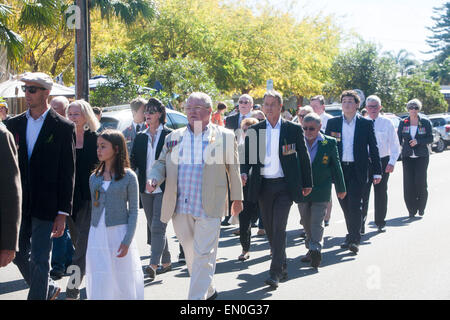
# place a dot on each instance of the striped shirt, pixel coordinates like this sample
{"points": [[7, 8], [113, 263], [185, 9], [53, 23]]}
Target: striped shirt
{"points": [[190, 175]]}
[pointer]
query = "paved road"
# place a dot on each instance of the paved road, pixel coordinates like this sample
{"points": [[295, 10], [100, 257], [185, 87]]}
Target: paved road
{"points": [[410, 261]]}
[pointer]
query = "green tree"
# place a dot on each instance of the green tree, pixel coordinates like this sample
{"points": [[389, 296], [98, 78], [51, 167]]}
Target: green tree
{"points": [[363, 68], [428, 92], [439, 71], [404, 60], [440, 40]]}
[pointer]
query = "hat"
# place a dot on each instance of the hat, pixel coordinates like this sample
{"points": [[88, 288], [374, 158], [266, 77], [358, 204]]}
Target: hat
{"points": [[38, 77]]}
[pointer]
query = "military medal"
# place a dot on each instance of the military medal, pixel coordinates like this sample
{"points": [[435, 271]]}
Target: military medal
{"points": [[97, 196]]}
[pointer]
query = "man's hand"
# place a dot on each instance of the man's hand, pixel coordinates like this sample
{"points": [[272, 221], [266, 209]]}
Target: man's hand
{"points": [[389, 168], [58, 226], [6, 256], [236, 207], [244, 179], [151, 185], [306, 191], [413, 143], [341, 195], [376, 180]]}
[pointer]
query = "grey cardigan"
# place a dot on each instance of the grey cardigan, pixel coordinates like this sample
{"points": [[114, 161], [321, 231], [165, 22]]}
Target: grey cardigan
{"points": [[114, 200]]}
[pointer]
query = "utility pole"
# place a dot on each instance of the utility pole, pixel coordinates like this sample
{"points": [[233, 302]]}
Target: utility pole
{"points": [[82, 58]]}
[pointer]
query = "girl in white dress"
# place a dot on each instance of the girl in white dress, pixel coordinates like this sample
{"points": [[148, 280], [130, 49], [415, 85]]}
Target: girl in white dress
{"points": [[113, 265]]}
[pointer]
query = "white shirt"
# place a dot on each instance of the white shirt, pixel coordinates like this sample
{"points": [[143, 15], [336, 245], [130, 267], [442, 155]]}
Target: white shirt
{"points": [[33, 129], [387, 139], [151, 153], [413, 132], [272, 165], [324, 117], [242, 117], [348, 137]]}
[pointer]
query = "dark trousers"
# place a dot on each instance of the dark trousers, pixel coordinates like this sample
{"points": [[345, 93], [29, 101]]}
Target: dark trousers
{"points": [[62, 252], [415, 183], [381, 196], [245, 224], [352, 204], [33, 257], [275, 203]]}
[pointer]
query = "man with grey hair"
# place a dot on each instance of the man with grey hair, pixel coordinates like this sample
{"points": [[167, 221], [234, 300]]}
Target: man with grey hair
{"points": [[318, 105], [195, 163], [326, 169], [280, 175], [60, 104], [245, 111], [389, 150]]}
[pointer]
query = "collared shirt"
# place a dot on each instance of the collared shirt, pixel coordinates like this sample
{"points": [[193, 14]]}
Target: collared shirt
{"points": [[242, 117], [151, 152], [141, 126], [387, 139], [33, 129], [348, 136], [190, 173], [413, 132], [315, 146], [324, 117], [272, 165]]}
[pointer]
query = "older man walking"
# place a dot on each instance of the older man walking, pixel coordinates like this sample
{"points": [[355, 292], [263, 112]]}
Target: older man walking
{"points": [[194, 163]]}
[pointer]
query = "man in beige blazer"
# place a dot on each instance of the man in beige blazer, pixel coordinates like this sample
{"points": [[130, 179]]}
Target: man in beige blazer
{"points": [[10, 198], [194, 163]]}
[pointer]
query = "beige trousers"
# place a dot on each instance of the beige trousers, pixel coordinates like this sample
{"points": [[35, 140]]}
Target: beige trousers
{"points": [[199, 238]]}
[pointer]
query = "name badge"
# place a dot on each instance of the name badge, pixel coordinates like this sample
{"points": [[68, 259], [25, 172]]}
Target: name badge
{"points": [[288, 149]]}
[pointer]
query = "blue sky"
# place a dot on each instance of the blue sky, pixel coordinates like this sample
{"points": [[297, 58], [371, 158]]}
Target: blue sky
{"points": [[393, 24]]}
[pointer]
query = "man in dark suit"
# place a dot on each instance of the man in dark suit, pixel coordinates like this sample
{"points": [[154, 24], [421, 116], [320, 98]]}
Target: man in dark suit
{"points": [[46, 144], [10, 198], [137, 109], [356, 142], [276, 154]]}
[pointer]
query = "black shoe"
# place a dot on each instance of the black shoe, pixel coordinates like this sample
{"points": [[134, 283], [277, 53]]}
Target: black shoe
{"points": [[381, 229], [284, 275], [326, 223], [214, 296], [273, 281], [224, 223], [254, 225], [421, 213], [162, 269], [181, 258], [316, 258], [56, 275], [344, 245], [363, 229], [151, 272], [303, 234], [353, 247], [307, 257]]}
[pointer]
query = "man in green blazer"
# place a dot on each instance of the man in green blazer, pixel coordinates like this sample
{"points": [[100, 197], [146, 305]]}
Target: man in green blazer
{"points": [[326, 169]]}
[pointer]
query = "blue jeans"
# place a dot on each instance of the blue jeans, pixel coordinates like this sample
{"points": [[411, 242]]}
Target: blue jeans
{"points": [[62, 252], [33, 257]]}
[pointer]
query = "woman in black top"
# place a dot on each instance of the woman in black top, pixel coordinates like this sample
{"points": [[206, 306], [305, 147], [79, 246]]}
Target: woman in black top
{"points": [[81, 113], [415, 134]]}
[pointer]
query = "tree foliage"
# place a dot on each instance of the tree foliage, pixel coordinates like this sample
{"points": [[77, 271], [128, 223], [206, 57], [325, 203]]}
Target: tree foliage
{"points": [[440, 40]]}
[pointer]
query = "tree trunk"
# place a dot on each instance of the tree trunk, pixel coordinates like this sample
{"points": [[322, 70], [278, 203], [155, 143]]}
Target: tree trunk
{"points": [[82, 54]]}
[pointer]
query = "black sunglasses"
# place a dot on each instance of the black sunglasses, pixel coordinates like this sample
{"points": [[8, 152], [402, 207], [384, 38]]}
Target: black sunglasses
{"points": [[413, 108], [309, 128], [31, 89], [244, 102]]}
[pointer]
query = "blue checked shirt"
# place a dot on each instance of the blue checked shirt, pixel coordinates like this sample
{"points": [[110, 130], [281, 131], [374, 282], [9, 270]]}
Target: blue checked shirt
{"points": [[190, 176]]}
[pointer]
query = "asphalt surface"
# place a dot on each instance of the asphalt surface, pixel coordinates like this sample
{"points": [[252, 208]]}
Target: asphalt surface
{"points": [[410, 261]]}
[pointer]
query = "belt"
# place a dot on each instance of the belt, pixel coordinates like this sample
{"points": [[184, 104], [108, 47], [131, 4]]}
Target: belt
{"points": [[347, 163], [273, 179]]}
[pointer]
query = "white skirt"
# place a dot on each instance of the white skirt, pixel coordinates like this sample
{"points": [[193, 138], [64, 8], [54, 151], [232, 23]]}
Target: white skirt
{"points": [[109, 277]]}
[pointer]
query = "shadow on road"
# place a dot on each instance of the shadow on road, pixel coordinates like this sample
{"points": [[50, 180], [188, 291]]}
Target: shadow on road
{"points": [[13, 286]]}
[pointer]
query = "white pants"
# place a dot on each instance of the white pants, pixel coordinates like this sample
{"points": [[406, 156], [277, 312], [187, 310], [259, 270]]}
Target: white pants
{"points": [[199, 238]]}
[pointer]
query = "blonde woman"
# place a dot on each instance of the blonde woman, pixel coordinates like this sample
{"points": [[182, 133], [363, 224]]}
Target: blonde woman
{"points": [[86, 124]]}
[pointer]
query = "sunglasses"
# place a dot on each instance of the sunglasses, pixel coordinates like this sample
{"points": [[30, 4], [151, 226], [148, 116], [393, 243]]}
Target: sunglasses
{"points": [[413, 108], [151, 111], [244, 102], [309, 128], [31, 89]]}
